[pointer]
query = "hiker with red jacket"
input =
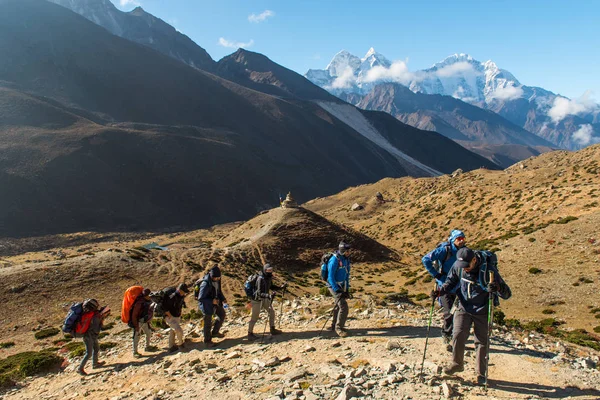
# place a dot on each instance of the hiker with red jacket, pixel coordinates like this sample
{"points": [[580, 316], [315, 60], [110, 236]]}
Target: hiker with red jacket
{"points": [[211, 301], [92, 319], [141, 315]]}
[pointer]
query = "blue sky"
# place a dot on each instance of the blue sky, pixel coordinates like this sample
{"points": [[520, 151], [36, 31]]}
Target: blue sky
{"points": [[551, 44]]}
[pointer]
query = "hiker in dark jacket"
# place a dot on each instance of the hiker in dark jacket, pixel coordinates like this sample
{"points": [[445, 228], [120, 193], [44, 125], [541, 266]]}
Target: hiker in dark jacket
{"points": [[141, 314], [90, 337], [338, 282], [211, 301], [473, 291], [173, 302], [438, 263], [263, 300]]}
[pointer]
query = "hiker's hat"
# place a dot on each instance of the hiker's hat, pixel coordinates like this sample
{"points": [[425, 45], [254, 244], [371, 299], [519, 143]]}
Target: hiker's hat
{"points": [[215, 272], [183, 287], [268, 267], [464, 257], [343, 246]]}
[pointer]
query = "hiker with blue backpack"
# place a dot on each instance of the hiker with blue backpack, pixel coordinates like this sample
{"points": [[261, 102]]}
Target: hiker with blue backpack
{"points": [[478, 285], [84, 320], [438, 263], [212, 302], [258, 288], [336, 269]]}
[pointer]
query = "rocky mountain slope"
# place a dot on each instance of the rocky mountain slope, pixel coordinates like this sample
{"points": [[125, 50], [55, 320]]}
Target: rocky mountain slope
{"points": [[482, 84], [141, 27], [136, 127], [540, 217], [477, 129]]}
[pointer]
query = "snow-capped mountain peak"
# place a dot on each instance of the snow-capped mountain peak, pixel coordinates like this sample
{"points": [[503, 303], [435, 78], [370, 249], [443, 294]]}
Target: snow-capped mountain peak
{"points": [[341, 62]]}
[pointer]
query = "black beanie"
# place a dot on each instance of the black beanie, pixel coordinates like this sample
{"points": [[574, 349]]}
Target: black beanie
{"points": [[215, 272]]}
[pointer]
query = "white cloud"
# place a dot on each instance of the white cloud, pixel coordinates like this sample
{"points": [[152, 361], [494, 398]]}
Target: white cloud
{"points": [[125, 3], [584, 135], [344, 80], [563, 106], [459, 68], [397, 72], [235, 45], [507, 93], [258, 18]]}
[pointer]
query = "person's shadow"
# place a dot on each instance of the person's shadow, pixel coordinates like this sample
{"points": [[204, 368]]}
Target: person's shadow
{"points": [[544, 391]]}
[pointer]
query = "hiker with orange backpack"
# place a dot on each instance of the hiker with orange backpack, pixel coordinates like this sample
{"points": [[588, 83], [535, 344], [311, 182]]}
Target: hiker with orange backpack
{"points": [[141, 315], [89, 328]]}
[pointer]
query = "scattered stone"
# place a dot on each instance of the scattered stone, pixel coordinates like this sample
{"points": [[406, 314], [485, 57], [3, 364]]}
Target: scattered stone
{"points": [[235, 354], [295, 375], [393, 344], [447, 390], [457, 173], [272, 362], [260, 363], [309, 349], [349, 392], [433, 367], [222, 378], [356, 207]]}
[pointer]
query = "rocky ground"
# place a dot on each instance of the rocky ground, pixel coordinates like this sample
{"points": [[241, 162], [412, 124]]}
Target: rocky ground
{"points": [[380, 360]]}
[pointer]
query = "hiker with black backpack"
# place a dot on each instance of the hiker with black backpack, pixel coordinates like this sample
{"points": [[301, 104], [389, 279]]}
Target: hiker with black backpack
{"points": [[141, 315], [337, 271], [259, 287], [211, 301], [438, 263], [173, 300], [89, 328], [475, 276]]}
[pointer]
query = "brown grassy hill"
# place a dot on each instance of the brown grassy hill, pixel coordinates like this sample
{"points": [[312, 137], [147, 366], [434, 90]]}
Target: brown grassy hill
{"points": [[542, 213]]}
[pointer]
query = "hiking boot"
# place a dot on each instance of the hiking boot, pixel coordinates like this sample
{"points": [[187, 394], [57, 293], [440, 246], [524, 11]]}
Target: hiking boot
{"points": [[480, 380], [173, 349], [136, 355], [452, 369], [449, 348], [252, 337], [331, 328], [99, 364], [341, 332], [209, 345], [275, 331], [80, 371], [150, 348]]}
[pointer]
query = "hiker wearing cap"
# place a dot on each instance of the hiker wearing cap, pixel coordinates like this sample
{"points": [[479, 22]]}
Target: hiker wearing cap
{"points": [[211, 301], [263, 300], [141, 315], [94, 317], [338, 282], [471, 275], [438, 263], [173, 302]]}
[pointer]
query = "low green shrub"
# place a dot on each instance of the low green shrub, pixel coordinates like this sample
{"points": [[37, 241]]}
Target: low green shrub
{"points": [[534, 270], [18, 366], [6, 345], [548, 311], [45, 333], [324, 291], [421, 296]]}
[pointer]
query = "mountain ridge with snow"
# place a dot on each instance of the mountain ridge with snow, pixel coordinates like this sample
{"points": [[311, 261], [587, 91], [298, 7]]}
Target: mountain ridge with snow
{"points": [[484, 84]]}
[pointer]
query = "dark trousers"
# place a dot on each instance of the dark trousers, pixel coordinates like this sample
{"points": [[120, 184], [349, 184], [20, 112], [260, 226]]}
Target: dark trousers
{"points": [[446, 301], [462, 325], [340, 311], [92, 348], [211, 329]]}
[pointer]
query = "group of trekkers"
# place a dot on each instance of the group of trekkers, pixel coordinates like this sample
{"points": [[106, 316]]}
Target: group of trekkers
{"points": [[467, 285]]}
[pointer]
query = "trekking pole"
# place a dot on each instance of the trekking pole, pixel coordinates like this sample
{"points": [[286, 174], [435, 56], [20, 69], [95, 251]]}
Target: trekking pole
{"points": [[281, 308], [490, 327], [331, 315], [427, 335]]}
